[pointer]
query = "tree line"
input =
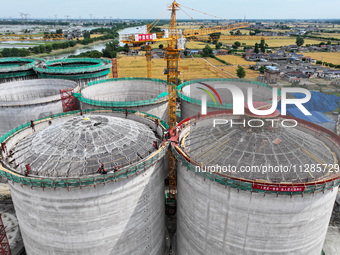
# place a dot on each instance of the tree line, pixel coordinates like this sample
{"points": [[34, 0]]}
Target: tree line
{"points": [[40, 49]]}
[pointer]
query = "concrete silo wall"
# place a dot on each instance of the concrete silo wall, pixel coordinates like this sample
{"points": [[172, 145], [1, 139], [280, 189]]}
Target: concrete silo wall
{"points": [[23, 101], [123, 217], [140, 94], [13, 116], [214, 219], [160, 109]]}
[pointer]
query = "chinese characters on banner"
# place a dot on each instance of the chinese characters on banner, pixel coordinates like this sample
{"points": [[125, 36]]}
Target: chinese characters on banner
{"points": [[145, 37], [282, 189]]}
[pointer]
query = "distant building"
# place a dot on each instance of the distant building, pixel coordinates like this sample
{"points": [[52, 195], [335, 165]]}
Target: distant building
{"points": [[272, 75]]}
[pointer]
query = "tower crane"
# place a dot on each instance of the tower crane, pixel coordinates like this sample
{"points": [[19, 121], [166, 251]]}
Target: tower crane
{"points": [[173, 38]]}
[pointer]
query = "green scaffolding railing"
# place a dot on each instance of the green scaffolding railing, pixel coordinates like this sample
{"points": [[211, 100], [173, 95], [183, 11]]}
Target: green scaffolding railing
{"points": [[121, 104], [128, 79], [49, 182], [75, 76], [29, 63], [17, 74], [212, 104], [247, 185], [96, 65]]}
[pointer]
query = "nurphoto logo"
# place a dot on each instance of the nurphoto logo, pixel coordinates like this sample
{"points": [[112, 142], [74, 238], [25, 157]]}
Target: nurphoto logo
{"points": [[239, 100]]}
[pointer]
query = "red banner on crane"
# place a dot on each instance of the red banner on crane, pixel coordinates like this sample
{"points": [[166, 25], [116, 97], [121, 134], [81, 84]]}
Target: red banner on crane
{"points": [[279, 189], [145, 37]]}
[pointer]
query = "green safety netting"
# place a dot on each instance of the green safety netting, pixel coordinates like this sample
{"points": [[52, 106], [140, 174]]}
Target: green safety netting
{"points": [[128, 79], [212, 104], [75, 76], [81, 181], [242, 184], [76, 65], [160, 98], [19, 64], [16, 74]]}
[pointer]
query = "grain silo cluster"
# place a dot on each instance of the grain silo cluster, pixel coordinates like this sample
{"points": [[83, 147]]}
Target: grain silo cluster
{"points": [[88, 173]]}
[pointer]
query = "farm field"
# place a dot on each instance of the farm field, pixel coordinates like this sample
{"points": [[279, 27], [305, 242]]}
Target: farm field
{"points": [[250, 74], [330, 57], [198, 68], [236, 60], [277, 42], [335, 35]]}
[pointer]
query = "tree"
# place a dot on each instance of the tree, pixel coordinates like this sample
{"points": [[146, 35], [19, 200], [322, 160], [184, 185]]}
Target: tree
{"points": [[161, 46], [110, 50], [214, 37], [263, 46], [256, 50], [231, 32], [218, 45], [236, 45], [240, 72], [238, 32], [299, 41], [59, 31], [207, 51], [48, 48], [261, 69], [87, 35]]}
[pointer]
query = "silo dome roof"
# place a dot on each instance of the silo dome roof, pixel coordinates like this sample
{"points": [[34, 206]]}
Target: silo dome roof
{"points": [[78, 145], [230, 146]]}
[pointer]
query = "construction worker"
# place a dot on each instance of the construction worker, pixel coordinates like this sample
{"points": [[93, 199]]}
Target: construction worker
{"points": [[166, 134], [4, 147], [28, 169], [155, 145], [32, 125]]}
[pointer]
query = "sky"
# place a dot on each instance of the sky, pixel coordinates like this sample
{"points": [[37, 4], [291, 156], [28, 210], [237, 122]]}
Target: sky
{"points": [[151, 9]]}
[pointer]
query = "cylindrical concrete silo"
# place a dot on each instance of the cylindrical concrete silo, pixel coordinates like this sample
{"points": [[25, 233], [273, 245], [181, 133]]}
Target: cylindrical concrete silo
{"points": [[17, 69], [22, 101], [141, 94], [65, 206], [234, 199], [81, 70], [191, 93]]}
